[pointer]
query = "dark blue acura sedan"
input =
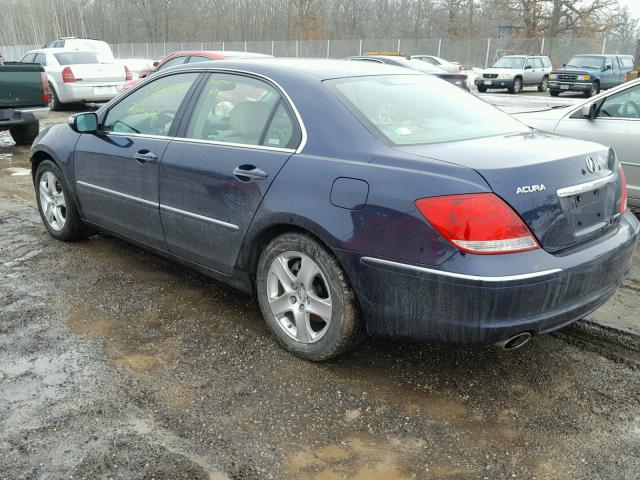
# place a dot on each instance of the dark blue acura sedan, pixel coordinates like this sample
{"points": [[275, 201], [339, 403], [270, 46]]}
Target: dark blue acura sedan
{"points": [[350, 198]]}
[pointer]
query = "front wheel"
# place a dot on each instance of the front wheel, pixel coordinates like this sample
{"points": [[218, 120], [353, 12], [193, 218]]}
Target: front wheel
{"points": [[57, 208], [554, 93], [594, 90], [482, 88], [306, 299], [517, 86]]}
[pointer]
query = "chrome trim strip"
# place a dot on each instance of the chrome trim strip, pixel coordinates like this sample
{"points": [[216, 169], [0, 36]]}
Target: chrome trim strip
{"points": [[119, 194], [585, 187], [137, 135], [230, 144], [477, 278], [200, 217]]}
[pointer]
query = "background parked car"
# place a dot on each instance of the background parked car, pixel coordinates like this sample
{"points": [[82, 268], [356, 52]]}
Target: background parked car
{"points": [[105, 54], [459, 80], [590, 73], [24, 96], [451, 67], [179, 58], [76, 76], [514, 72], [612, 118]]}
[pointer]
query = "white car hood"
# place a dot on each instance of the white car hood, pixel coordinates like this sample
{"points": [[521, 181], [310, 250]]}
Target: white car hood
{"points": [[546, 119]]}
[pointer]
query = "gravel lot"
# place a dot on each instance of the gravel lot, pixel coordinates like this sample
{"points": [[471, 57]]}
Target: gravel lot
{"points": [[115, 364]]}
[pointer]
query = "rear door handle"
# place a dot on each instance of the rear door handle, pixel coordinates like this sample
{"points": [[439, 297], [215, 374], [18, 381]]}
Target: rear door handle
{"points": [[145, 156], [248, 173]]}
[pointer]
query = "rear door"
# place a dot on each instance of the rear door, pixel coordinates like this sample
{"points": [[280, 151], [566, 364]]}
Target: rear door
{"points": [[232, 144], [116, 170], [618, 125]]}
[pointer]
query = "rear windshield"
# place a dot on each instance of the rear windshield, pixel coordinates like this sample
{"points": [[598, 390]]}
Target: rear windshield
{"points": [[420, 109], [586, 61], [510, 62], [76, 58]]}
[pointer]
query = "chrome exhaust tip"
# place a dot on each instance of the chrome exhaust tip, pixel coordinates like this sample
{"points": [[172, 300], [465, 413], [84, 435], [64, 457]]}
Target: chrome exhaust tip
{"points": [[514, 342]]}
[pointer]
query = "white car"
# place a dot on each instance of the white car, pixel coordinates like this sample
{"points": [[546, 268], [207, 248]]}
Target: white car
{"points": [[105, 54], [451, 67], [611, 118], [77, 76]]}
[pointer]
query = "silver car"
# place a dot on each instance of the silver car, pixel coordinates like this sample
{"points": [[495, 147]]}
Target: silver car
{"points": [[514, 72], [451, 67], [78, 76], [611, 118]]}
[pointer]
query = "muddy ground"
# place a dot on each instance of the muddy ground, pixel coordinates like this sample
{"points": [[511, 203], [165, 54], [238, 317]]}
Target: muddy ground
{"points": [[115, 364]]}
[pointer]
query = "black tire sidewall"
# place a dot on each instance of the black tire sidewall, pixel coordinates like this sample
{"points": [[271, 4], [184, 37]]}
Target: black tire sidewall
{"points": [[344, 312], [69, 231]]}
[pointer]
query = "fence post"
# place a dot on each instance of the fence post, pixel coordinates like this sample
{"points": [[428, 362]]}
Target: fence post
{"points": [[164, 49], [398, 45], [360, 47], [272, 47], [297, 48], [439, 46], [245, 46], [132, 50], [604, 44], [201, 45], [118, 50], [147, 50], [542, 47], [486, 60], [328, 48], [223, 46]]}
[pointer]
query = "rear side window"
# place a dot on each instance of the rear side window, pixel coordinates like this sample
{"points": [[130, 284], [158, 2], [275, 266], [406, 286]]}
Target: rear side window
{"points": [[197, 59], [537, 63], [626, 62], [242, 110], [546, 63], [173, 62], [76, 58], [151, 109], [41, 58]]}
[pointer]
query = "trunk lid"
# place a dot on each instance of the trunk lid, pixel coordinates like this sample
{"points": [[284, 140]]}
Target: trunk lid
{"points": [[98, 72], [567, 191]]}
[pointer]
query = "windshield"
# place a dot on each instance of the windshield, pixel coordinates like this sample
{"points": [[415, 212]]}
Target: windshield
{"points": [[76, 58], [586, 61], [418, 109], [421, 66], [510, 62]]}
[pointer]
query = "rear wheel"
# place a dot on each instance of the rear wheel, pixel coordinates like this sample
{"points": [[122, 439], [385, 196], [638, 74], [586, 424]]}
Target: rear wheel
{"points": [[306, 299], [57, 208], [517, 86], [482, 88], [544, 85], [25, 134], [54, 101]]}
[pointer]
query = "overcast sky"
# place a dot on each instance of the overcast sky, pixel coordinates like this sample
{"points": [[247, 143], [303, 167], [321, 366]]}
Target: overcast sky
{"points": [[634, 6]]}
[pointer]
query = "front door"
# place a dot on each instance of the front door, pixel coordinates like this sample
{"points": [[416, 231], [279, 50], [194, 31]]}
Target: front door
{"points": [[232, 145], [618, 125], [116, 170]]}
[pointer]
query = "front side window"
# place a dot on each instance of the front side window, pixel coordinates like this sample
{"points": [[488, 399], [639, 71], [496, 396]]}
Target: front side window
{"points": [[240, 110], [151, 109], [430, 60], [173, 62], [530, 63], [624, 104], [419, 109], [28, 58]]}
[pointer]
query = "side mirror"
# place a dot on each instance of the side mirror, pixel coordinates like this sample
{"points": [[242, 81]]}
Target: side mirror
{"points": [[589, 111], [564, 65], [528, 67], [607, 67], [85, 122], [155, 64]]}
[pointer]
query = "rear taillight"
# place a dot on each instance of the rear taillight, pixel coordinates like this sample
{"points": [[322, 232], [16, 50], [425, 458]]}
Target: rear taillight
{"points": [[480, 223], [45, 87], [127, 74], [67, 75], [623, 184]]}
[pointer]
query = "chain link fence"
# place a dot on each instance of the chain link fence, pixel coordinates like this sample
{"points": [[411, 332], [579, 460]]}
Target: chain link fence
{"points": [[477, 52]]}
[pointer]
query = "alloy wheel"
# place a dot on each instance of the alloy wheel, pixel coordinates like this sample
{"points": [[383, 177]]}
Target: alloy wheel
{"points": [[299, 297], [52, 201]]}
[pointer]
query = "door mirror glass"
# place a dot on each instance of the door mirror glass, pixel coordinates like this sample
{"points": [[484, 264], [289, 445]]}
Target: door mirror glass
{"points": [[155, 64], [86, 122]]}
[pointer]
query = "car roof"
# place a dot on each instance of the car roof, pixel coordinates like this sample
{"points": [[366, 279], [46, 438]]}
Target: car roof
{"points": [[217, 54], [321, 69]]}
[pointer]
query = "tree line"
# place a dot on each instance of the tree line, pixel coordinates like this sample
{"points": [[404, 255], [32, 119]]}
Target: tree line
{"points": [[129, 21]]}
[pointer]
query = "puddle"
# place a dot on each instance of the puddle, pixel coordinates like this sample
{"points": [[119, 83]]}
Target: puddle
{"points": [[4, 156], [18, 172]]}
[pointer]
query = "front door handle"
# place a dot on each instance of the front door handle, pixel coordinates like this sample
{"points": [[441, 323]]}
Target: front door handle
{"points": [[145, 156], [248, 173]]}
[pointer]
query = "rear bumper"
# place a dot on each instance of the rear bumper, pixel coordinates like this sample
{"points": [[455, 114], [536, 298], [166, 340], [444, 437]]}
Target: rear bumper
{"points": [[570, 86], [90, 92], [21, 116], [416, 303]]}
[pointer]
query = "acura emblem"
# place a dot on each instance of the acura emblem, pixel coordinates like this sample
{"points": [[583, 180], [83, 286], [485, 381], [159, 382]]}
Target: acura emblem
{"points": [[591, 165]]}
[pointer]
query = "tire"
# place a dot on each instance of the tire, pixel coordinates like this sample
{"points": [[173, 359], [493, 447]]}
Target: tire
{"points": [[554, 93], [54, 102], [285, 259], [594, 90], [25, 134], [544, 85], [517, 86], [482, 89], [65, 224]]}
